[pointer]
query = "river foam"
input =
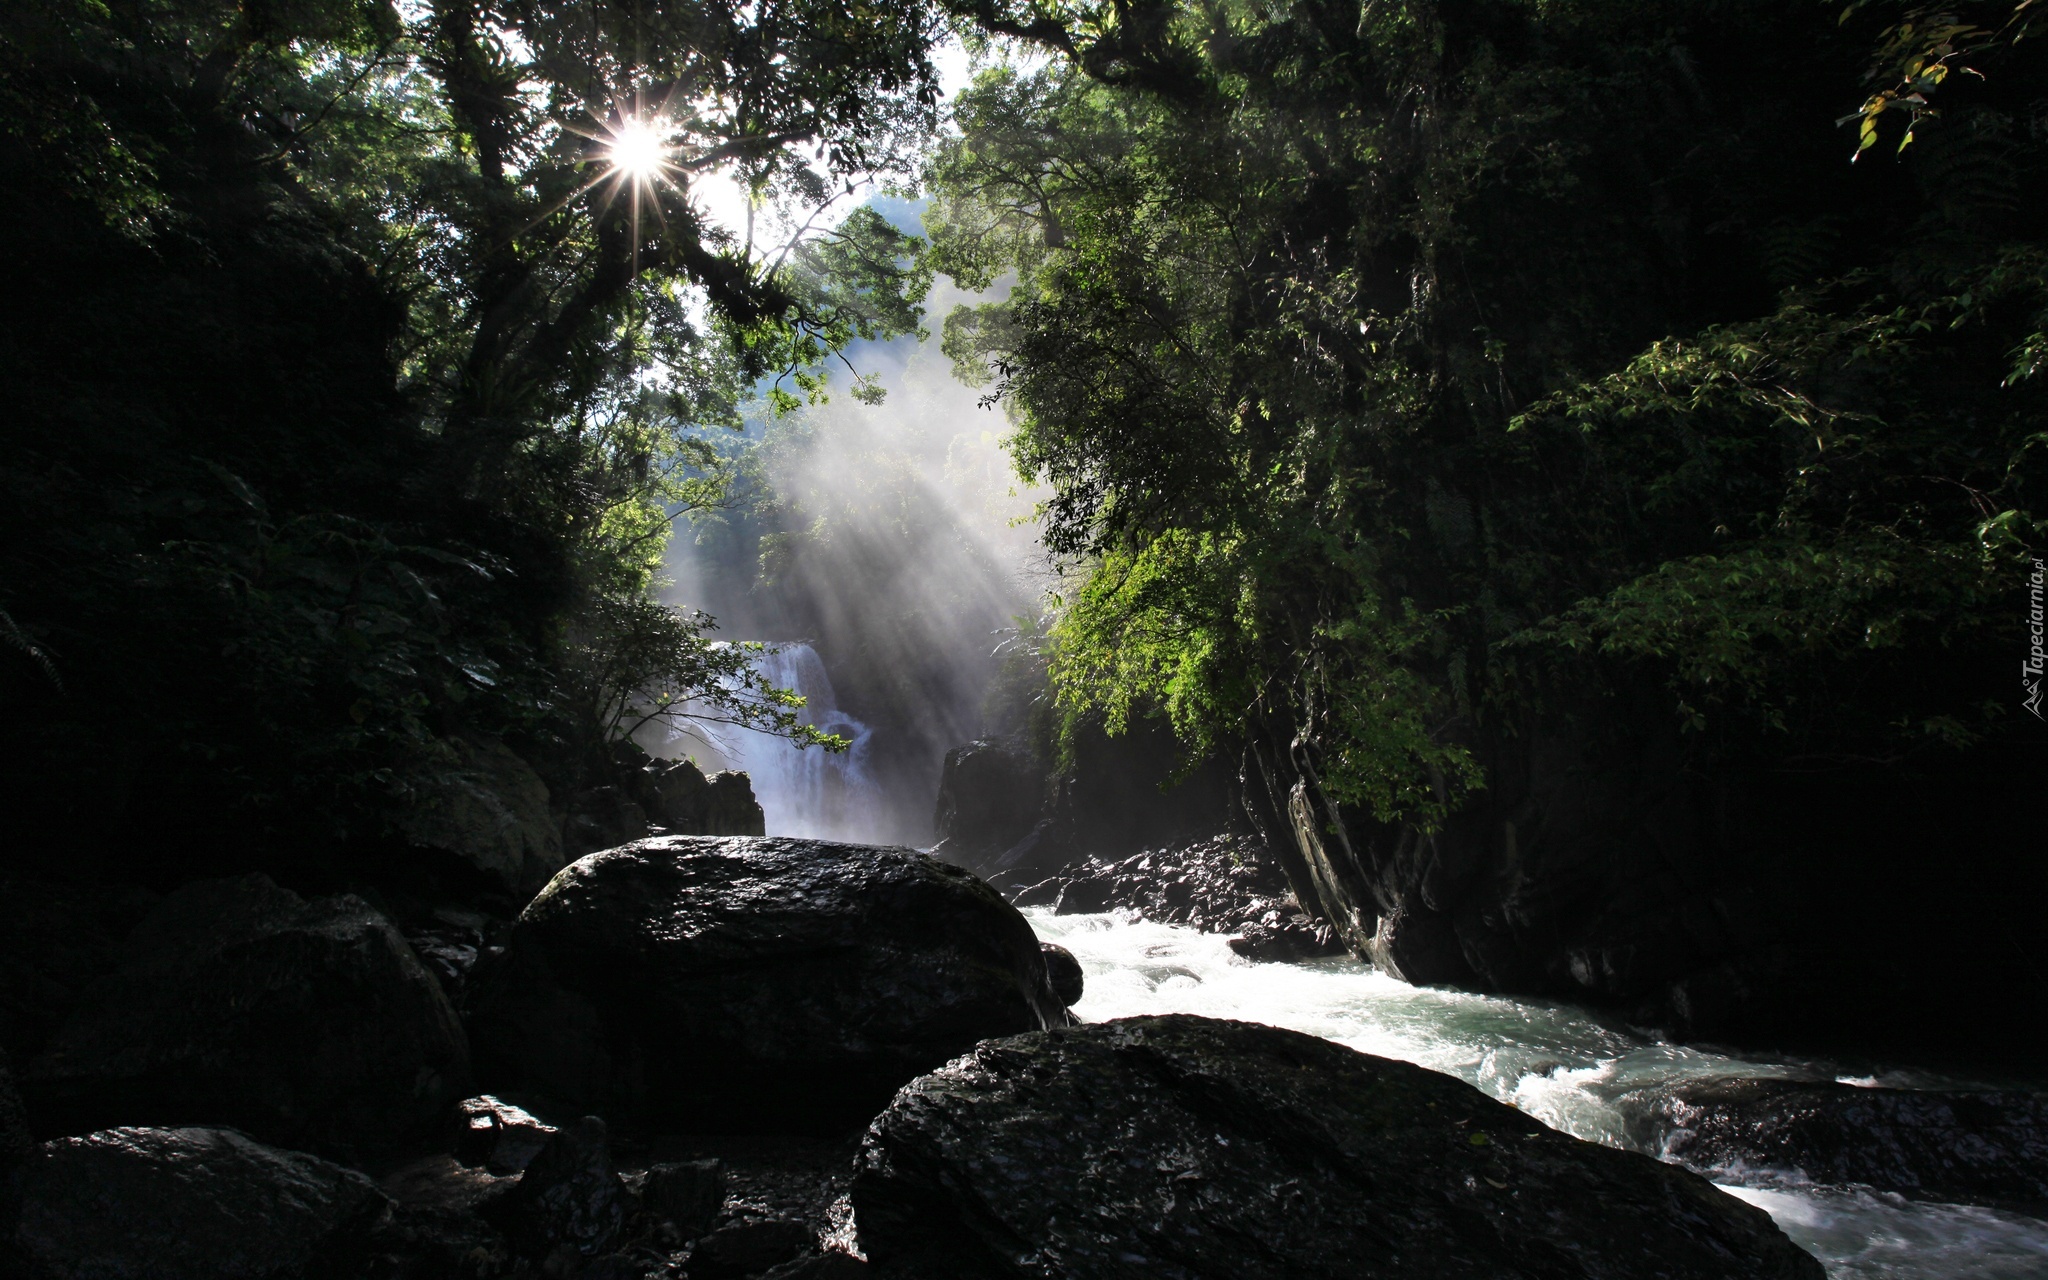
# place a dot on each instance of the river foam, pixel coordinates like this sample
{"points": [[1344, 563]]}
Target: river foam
{"points": [[1566, 1066]]}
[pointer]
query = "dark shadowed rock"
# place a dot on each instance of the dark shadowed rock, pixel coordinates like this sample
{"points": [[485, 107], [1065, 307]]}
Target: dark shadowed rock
{"points": [[209, 1204], [497, 1135], [677, 796], [830, 1265], [1191, 1149], [989, 799], [1986, 1148], [449, 952], [1063, 971], [490, 809], [569, 1198], [14, 1148], [748, 1248], [745, 984], [437, 1227], [602, 817], [305, 1023], [687, 1193]]}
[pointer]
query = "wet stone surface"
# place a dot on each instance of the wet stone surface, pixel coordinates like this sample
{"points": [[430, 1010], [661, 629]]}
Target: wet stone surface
{"points": [[1188, 1148], [1221, 885]]}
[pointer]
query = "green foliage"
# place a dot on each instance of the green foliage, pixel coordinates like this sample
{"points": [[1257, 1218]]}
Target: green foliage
{"points": [[1404, 375], [359, 391]]}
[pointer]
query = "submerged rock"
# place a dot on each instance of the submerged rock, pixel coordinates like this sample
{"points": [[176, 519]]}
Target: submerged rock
{"points": [[304, 1023], [204, 1203], [747, 984], [1986, 1148], [1191, 1149]]}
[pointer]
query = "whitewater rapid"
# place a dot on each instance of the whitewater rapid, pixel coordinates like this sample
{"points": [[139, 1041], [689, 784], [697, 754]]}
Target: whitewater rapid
{"points": [[1563, 1065]]}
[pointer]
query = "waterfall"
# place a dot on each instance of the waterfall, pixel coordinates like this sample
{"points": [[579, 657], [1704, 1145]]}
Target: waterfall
{"points": [[811, 792]]}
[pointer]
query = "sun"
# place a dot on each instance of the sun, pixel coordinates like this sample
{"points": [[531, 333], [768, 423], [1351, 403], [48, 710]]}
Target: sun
{"points": [[637, 151]]}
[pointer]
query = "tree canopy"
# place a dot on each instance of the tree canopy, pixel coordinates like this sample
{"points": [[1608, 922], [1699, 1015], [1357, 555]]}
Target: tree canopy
{"points": [[357, 378], [1407, 371]]}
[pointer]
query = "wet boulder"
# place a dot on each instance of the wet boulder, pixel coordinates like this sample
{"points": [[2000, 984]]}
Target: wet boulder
{"points": [[1187, 1148], [1984, 1148], [309, 1024], [1064, 972], [750, 984], [204, 1203], [830, 1265]]}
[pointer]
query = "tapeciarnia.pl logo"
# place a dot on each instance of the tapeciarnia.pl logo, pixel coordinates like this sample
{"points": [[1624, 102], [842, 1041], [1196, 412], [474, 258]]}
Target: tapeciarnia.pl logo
{"points": [[2030, 670]]}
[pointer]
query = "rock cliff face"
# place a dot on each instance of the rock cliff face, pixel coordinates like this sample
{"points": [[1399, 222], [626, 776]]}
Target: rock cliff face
{"points": [[1614, 866], [1190, 1149], [751, 984], [1014, 820]]}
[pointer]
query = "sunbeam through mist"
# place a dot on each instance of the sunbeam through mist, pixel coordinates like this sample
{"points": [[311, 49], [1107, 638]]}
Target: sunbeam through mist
{"points": [[894, 542]]}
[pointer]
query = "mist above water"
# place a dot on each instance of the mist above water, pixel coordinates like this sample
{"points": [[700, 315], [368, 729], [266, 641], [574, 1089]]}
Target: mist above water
{"points": [[886, 548]]}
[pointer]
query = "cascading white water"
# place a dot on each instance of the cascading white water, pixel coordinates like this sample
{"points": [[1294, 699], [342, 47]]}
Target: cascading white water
{"points": [[810, 792], [1565, 1066]]}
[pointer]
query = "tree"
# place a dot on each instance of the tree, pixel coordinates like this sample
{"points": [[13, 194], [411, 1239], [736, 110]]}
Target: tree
{"points": [[362, 374], [1591, 509]]}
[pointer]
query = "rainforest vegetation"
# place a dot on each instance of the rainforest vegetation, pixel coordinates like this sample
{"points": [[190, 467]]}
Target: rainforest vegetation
{"points": [[1396, 370], [1401, 369]]}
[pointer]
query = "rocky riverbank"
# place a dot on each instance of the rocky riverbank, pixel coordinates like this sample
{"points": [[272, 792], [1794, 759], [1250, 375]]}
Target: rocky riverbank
{"points": [[663, 1067]]}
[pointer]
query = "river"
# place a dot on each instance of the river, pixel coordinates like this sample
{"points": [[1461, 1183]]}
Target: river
{"points": [[1561, 1064]]}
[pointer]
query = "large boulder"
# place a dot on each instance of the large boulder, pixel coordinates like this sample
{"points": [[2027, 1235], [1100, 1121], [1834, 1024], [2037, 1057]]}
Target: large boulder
{"points": [[309, 1024], [491, 810], [1984, 1148], [751, 984], [1188, 1148], [204, 1203]]}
